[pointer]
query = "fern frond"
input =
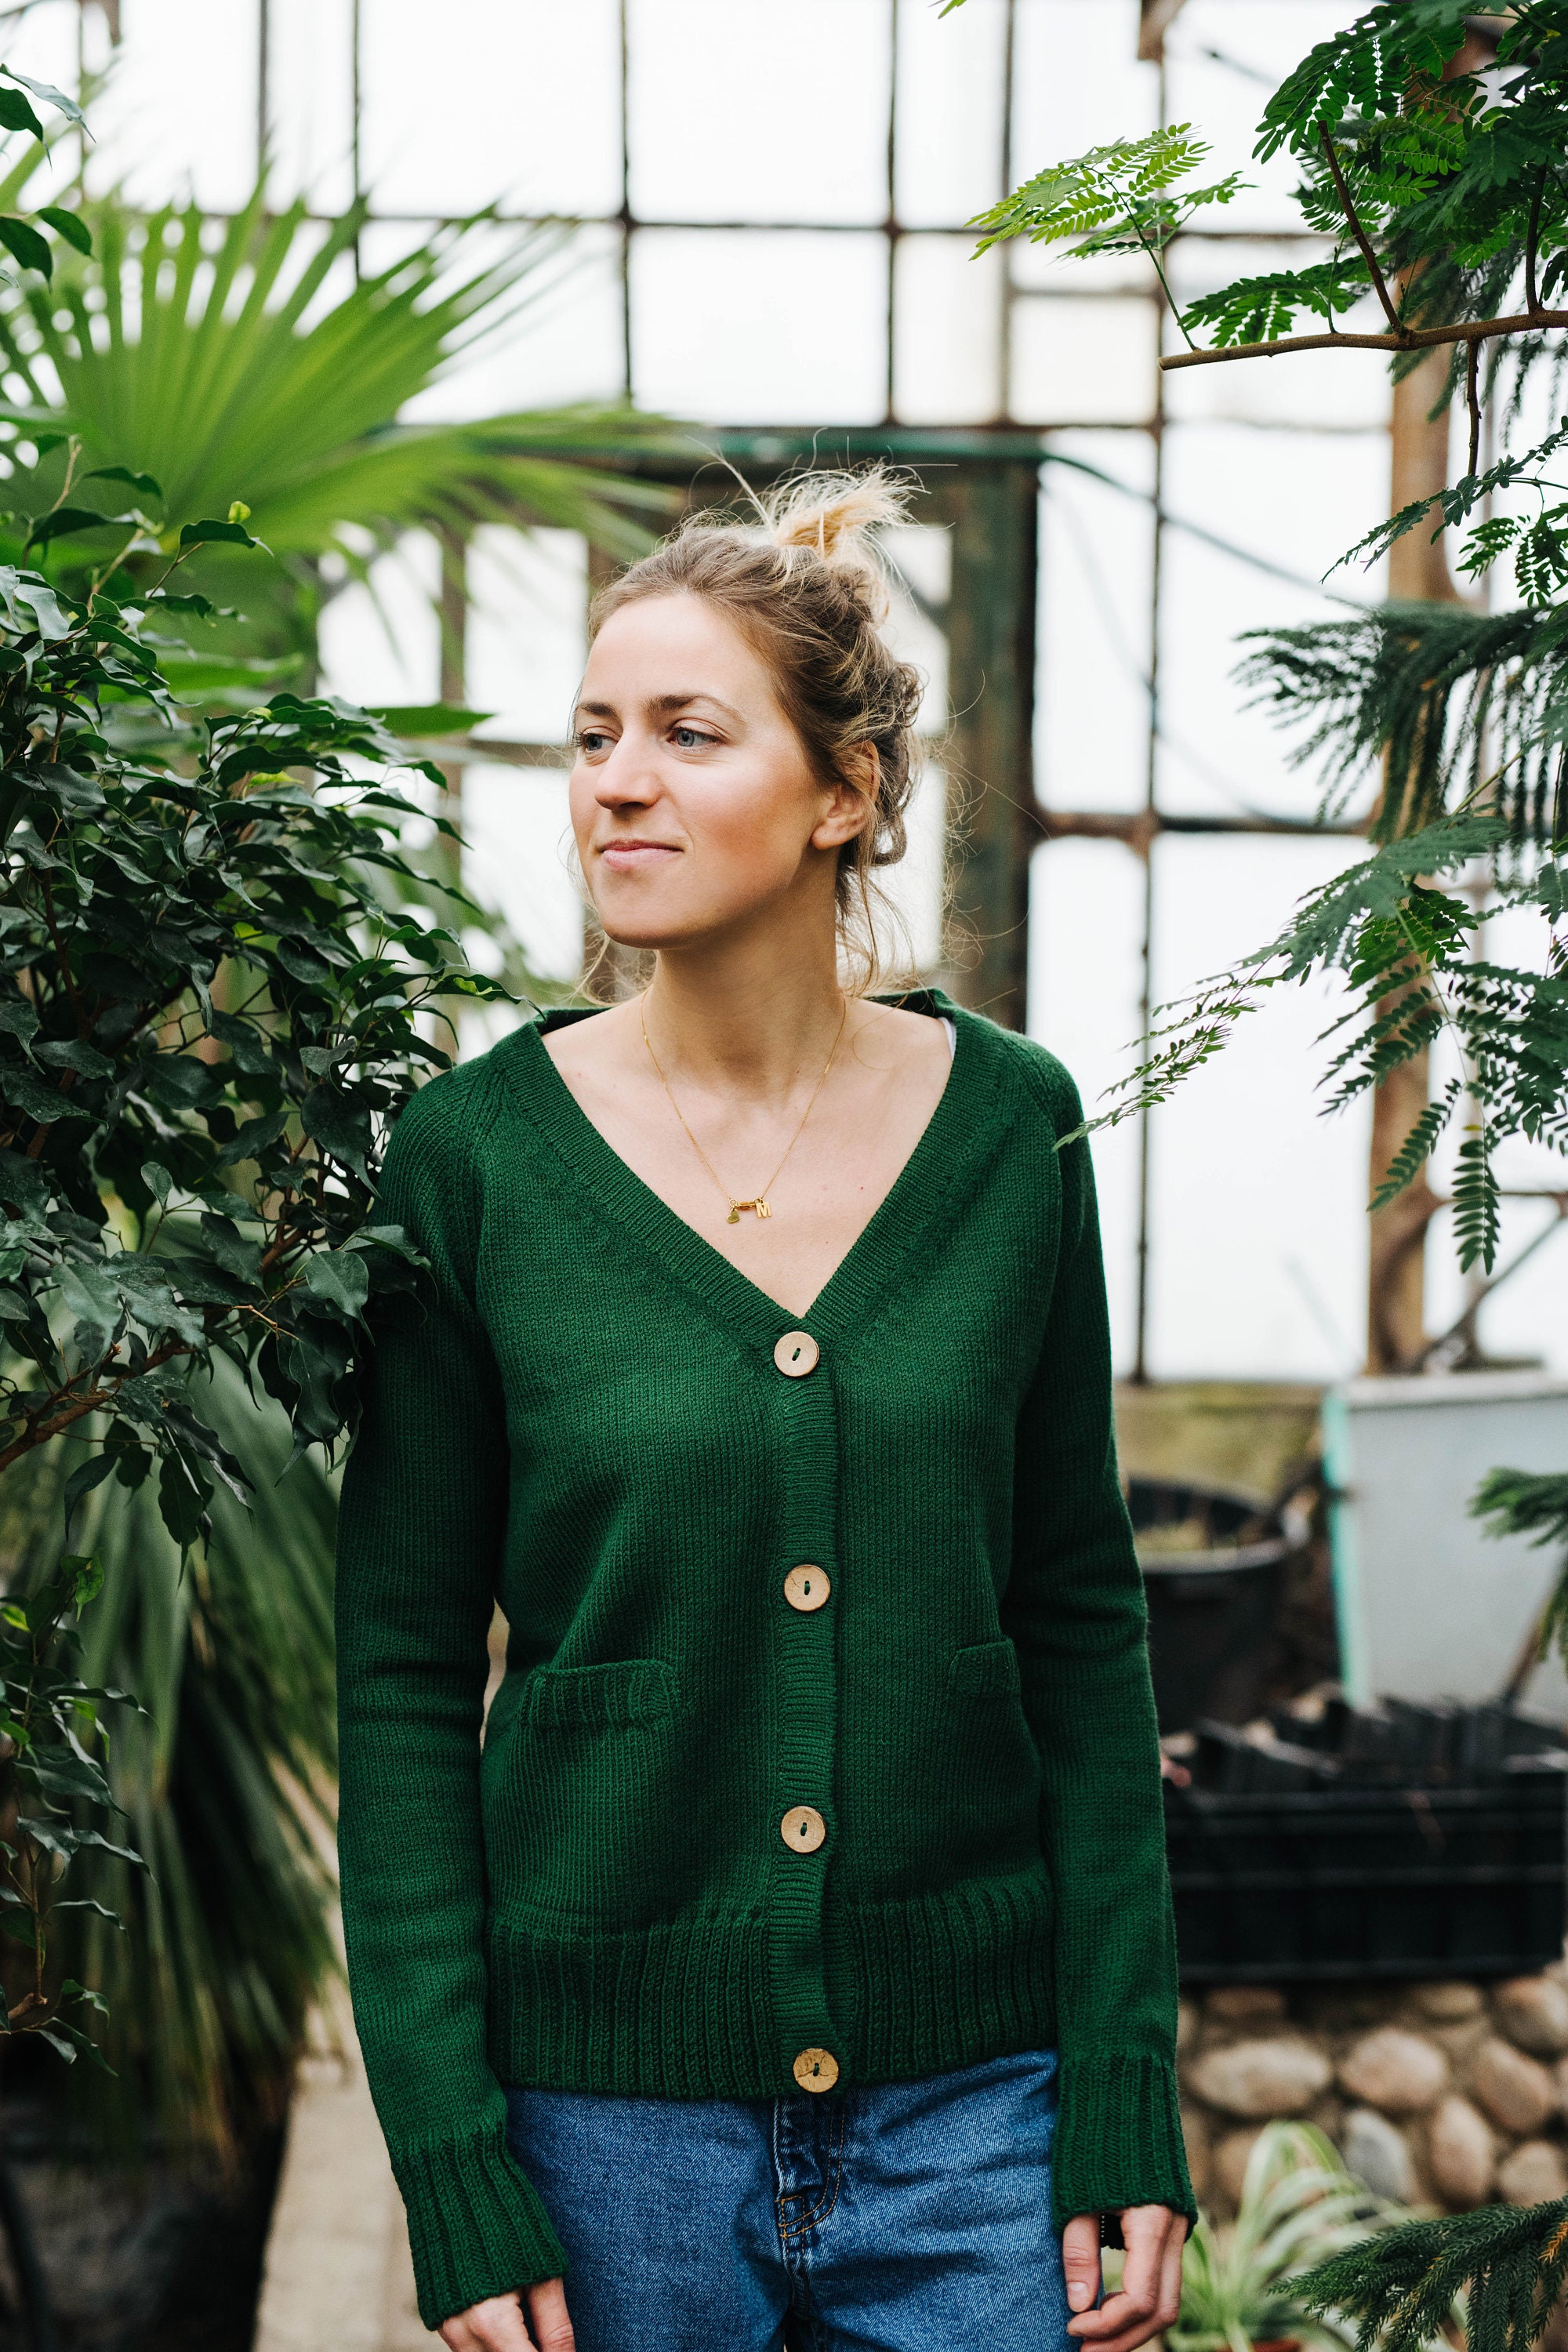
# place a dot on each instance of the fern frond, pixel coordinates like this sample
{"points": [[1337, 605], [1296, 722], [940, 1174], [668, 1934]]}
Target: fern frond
{"points": [[1127, 189], [1256, 309], [1417, 1147], [1477, 1203], [1523, 1502], [1400, 2287]]}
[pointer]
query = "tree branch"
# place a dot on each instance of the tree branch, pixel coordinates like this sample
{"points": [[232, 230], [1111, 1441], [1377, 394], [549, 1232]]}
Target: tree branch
{"points": [[1532, 298], [1360, 234], [1473, 402], [38, 1433], [1409, 339]]}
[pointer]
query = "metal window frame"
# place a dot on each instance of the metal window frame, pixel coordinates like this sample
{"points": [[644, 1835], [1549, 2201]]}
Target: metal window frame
{"points": [[983, 483]]}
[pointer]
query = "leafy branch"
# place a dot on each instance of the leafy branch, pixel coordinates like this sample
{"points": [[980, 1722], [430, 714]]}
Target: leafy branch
{"points": [[1116, 199]]}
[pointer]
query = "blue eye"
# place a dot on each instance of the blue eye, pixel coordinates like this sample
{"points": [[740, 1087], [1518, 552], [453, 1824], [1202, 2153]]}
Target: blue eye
{"points": [[690, 739]]}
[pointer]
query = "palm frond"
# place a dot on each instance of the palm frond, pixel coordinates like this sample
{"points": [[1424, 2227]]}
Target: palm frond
{"points": [[217, 358], [225, 1781]]}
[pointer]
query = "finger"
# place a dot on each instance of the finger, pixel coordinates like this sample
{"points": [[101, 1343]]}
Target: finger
{"points": [[1145, 2229], [1171, 2279], [1129, 2340], [549, 2317], [1081, 2259], [496, 2325]]}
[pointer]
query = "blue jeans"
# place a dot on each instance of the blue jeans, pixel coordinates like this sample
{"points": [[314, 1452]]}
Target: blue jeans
{"points": [[901, 2218]]}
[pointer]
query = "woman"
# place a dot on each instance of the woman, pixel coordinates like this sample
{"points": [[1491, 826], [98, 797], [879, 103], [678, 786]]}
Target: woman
{"points": [[760, 1372]]}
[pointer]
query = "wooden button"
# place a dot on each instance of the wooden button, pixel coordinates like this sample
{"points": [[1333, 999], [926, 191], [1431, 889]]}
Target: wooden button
{"points": [[804, 1829], [797, 1354], [816, 2070], [806, 1587]]}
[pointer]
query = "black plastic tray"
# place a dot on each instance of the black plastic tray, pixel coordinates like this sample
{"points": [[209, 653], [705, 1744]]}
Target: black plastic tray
{"points": [[1342, 1883]]}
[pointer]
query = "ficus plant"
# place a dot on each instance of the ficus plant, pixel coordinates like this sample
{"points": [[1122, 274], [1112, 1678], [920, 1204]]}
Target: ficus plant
{"points": [[1432, 147], [210, 1010]]}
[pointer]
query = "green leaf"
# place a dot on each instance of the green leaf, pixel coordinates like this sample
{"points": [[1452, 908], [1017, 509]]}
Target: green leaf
{"points": [[198, 534], [75, 231], [83, 1479], [158, 1181], [15, 114], [429, 719], [86, 1574], [64, 520], [93, 1299], [341, 1280], [143, 484], [340, 1126], [48, 93]]}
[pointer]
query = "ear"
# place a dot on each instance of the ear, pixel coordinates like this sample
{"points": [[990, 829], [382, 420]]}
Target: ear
{"points": [[852, 804]]}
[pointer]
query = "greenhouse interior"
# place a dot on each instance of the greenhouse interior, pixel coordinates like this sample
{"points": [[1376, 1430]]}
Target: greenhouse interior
{"points": [[389, 342]]}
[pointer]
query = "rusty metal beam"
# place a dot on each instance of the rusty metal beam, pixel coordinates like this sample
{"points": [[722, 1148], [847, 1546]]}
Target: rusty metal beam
{"points": [[992, 514], [1154, 22]]}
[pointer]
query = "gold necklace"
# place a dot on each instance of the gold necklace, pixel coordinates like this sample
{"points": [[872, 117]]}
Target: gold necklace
{"points": [[760, 1206]]}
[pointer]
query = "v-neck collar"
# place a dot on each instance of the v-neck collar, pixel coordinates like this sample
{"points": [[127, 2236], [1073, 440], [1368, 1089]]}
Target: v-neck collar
{"points": [[961, 1126]]}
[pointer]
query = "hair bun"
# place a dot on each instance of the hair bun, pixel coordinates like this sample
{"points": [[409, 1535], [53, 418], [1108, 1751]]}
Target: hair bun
{"points": [[834, 516]]}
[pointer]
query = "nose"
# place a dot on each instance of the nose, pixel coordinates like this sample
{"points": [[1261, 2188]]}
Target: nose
{"points": [[628, 778]]}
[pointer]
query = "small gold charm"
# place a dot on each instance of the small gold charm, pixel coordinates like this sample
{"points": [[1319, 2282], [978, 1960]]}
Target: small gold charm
{"points": [[734, 1216], [759, 1208]]}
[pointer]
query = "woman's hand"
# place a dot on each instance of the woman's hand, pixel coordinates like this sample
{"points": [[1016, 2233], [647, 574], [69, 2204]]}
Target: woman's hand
{"points": [[1150, 2295], [496, 2325]]}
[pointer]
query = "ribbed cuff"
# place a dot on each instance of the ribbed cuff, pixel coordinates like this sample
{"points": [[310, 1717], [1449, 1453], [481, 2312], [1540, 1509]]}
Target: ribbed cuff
{"points": [[475, 2223], [1119, 2137]]}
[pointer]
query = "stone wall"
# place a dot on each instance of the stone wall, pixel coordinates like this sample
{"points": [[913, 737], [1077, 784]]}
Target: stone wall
{"points": [[1442, 2095]]}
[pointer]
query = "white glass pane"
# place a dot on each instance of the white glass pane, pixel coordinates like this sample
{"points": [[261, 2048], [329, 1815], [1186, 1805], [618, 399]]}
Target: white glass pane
{"points": [[759, 109], [1091, 733], [515, 101], [910, 932], [1259, 1229], [921, 556], [310, 99], [517, 861], [527, 630], [177, 118], [948, 332], [1086, 918], [557, 336], [43, 43], [1084, 360], [950, 87], [741, 327], [1222, 64], [1298, 505], [1077, 81], [382, 643]]}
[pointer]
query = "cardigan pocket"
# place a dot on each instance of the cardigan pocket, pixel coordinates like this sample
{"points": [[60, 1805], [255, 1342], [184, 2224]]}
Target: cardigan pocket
{"points": [[598, 1698], [988, 1670]]}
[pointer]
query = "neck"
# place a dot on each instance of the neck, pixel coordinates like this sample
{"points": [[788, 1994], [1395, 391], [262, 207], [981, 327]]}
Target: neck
{"points": [[748, 1016]]}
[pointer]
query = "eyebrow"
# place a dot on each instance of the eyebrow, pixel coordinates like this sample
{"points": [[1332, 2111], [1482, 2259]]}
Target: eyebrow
{"points": [[663, 704]]}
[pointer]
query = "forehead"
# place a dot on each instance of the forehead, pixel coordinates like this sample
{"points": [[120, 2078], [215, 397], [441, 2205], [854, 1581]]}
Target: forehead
{"points": [[679, 643]]}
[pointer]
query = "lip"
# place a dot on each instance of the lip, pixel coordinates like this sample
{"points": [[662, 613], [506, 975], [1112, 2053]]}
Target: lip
{"points": [[634, 856]]}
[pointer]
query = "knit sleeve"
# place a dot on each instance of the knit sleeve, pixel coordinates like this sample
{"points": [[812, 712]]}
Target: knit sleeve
{"points": [[424, 1507], [1075, 1610]]}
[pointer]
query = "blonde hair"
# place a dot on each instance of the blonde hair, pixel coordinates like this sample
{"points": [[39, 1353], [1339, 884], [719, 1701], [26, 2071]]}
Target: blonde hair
{"points": [[806, 585]]}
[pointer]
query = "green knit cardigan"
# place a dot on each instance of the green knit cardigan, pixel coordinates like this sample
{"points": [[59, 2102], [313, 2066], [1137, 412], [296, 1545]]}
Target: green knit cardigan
{"points": [[584, 1413]]}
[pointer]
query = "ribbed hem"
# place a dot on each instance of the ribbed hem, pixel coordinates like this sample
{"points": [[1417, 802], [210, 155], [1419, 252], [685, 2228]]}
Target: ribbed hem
{"points": [[688, 2009], [1119, 2137], [475, 2223]]}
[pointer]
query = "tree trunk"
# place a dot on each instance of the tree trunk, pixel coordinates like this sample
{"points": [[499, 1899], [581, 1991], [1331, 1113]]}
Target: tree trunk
{"points": [[1417, 571]]}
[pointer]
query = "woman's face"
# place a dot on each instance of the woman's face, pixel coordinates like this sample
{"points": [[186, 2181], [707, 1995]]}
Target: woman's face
{"points": [[693, 803]]}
